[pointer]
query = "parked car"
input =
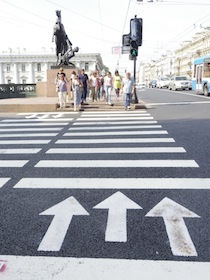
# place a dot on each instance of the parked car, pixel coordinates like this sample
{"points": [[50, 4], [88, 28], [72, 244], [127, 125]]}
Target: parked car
{"points": [[163, 82], [141, 86], [180, 82], [153, 84]]}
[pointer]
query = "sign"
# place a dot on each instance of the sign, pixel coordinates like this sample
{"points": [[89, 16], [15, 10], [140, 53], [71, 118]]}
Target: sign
{"points": [[125, 49], [116, 50]]}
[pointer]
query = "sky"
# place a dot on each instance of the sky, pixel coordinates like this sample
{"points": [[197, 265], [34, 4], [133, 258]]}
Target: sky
{"points": [[96, 26]]}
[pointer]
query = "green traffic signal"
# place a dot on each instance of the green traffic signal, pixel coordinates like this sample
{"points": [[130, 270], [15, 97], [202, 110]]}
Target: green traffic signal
{"points": [[134, 52]]}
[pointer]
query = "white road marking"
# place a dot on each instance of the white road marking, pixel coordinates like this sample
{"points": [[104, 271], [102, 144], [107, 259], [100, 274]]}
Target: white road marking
{"points": [[179, 103], [173, 215], [114, 112], [115, 163], [35, 120], [12, 163], [114, 118], [63, 213], [115, 183], [28, 135], [56, 268], [114, 115], [115, 133], [113, 122], [115, 127], [115, 140], [117, 205], [49, 113], [116, 150], [3, 181], [30, 129], [23, 142], [32, 124], [19, 151]]}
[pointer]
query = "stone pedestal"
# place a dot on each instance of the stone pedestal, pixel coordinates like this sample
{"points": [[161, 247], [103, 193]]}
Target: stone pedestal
{"points": [[51, 75]]}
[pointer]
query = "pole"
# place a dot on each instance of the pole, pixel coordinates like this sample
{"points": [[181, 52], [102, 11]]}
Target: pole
{"points": [[134, 74]]}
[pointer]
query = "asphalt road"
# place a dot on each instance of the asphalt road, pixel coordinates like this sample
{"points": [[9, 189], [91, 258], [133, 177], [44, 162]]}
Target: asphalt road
{"points": [[107, 195]]}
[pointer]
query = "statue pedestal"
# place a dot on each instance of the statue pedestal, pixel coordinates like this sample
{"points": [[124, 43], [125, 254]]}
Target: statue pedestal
{"points": [[51, 75]]}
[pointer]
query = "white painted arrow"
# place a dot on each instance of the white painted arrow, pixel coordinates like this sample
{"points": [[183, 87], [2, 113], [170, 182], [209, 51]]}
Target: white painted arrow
{"points": [[58, 115], [63, 213], [118, 203], [179, 237]]}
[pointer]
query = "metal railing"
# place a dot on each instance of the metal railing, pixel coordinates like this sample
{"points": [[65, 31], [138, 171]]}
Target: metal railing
{"points": [[17, 90]]}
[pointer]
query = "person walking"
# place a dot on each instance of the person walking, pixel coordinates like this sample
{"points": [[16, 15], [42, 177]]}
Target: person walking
{"points": [[101, 89], [62, 90], [73, 74], [128, 89], [57, 78], [93, 86], [76, 86], [117, 81], [108, 87], [83, 77]]}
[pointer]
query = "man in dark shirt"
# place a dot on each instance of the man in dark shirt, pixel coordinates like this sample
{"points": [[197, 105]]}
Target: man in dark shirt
{"points": [[85, 80]]}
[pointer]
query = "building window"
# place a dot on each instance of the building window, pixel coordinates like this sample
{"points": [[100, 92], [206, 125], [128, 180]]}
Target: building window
{"points": [[24, 81], [86, 66], [39, 67], [8, 68], [39, 80], [23, 68], [9, 81]]}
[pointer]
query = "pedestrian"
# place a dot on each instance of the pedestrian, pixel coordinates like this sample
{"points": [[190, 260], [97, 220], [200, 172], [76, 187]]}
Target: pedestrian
{"points": [[117, 81], [128, 89], [93, 86], [57, 78], [83, 77], [108, 87], [62, 90], [71, 81], [76, 86], [100, 86]]}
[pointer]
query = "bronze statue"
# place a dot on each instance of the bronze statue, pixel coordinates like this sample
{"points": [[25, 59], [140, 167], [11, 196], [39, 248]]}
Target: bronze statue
{"points": [[64, 50]]}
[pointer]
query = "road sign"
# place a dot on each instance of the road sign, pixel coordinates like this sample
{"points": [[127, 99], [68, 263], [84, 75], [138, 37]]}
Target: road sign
{"points": [[116, 50], [125, 49]]}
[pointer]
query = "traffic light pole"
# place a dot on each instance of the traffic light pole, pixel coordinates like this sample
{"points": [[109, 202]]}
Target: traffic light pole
{"points": [[134, 77]]}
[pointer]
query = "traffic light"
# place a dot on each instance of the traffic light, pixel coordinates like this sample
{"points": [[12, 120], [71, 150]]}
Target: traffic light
{"points": [[136, 30], [133, 48]]}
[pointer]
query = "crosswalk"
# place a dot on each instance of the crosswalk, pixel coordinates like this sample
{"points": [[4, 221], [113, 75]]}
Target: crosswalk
{"points": [[133, 133], [96, 152]]}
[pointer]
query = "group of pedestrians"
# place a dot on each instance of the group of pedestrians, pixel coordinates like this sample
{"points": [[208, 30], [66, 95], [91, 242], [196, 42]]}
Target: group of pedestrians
{"points": [[78, 88], [96, 87]]}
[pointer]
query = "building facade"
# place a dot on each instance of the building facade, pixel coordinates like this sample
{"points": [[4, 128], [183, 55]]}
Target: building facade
{"points": [[179, 62], [30, 68]]}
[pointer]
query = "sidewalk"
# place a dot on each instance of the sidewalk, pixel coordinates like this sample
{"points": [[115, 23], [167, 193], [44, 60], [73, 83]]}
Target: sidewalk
{"points": [[49, 104]]}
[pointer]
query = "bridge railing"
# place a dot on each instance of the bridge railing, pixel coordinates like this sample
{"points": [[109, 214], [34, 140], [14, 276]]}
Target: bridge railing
{"points": [[17, 90]]}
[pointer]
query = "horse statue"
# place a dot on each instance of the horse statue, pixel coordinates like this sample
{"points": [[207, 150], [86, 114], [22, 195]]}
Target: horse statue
{"points": [[64, 50]]}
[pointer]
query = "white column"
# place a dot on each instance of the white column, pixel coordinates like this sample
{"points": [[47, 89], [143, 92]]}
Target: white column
{"points": [[31, 74], [45, 72], [16, 75], [1, 74]]}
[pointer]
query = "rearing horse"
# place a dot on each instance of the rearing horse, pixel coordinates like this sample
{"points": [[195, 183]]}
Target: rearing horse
{"points": [[61, 39]]}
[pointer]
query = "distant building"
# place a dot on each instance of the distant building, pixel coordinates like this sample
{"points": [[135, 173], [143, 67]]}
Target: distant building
{"points": [[30, 68], [179, 62]]}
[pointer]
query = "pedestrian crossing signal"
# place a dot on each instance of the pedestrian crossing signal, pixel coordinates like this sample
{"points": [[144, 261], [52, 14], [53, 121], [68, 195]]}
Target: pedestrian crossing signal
{"points": [[134, 52], [134, 48]]}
